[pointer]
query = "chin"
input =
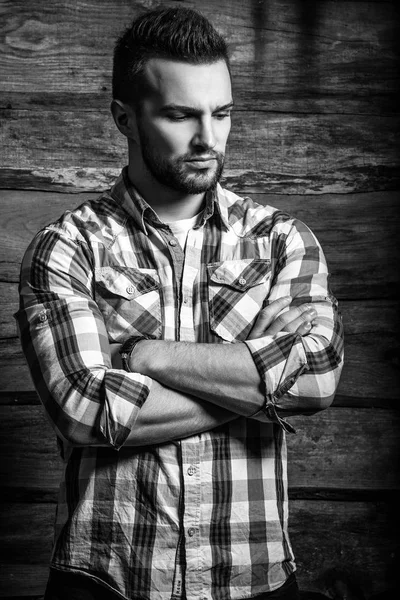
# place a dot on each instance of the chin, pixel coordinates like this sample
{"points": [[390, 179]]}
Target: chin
{"points": [[199, 187]]}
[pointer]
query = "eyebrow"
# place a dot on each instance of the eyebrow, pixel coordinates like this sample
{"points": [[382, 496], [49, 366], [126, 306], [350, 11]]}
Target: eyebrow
{"points": [[194, 111]]}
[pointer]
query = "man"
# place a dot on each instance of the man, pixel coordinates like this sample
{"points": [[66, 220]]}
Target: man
{"points": [[170, 327]]}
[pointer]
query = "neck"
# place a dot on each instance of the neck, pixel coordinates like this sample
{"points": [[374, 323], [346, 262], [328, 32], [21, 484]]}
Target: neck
{"points": [[169, 204]]}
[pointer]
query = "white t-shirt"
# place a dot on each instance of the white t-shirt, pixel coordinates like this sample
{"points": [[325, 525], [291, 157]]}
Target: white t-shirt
{"points": [[181, 228]]}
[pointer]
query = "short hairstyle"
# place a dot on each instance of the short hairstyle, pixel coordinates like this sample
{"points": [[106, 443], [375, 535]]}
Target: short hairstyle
{"points": [[172, 33]]}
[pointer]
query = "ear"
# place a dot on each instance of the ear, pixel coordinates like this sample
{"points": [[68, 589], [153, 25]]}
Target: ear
{"points": [[125, 119]]}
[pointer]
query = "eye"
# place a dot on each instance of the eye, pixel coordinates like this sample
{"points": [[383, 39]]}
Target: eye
{"points": [[177, 117], [221, 116]]}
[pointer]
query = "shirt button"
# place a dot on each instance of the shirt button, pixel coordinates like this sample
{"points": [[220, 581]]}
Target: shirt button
{"points": [[130, 289], [191, 470], [242, 281], [173, 242], [42, 317], [191, 531]]}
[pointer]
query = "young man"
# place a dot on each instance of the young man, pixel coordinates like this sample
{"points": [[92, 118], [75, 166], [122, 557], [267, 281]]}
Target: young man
{"points": [[170, 327]]}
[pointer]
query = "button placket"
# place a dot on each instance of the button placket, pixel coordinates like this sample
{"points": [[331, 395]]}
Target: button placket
{"points": [[191, 453], [190, 271]]}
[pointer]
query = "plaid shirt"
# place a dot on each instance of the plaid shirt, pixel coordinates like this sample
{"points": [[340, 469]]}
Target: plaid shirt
{"points": [[205, 516]]}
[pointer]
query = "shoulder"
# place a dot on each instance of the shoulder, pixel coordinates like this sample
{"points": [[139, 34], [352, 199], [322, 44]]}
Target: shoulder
{"points": [[248, 217], [99, 220]]}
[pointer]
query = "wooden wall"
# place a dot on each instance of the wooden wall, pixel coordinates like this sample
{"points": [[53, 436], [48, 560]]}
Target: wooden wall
{"points": [[315, 132]]}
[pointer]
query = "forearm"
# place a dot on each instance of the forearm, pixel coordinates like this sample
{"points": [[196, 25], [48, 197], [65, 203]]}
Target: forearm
{"points": [[169, 415], [166, 415], [297, 374], [222, 374]]}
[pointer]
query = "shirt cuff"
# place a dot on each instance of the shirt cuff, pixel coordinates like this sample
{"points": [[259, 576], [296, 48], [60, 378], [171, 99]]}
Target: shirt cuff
{"points": [[124, 397], [280, 360]]}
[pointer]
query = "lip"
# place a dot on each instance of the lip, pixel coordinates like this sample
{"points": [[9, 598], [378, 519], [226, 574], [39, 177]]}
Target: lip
{"points": [[201, 158], [202, 162]]}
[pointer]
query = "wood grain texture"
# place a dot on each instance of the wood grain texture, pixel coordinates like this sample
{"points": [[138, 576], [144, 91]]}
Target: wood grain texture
{"points": [[26, 531], [325, 535], [318, 56], [358, 232], [353, 449], [267, 152], [359, 538], [317, 91]]}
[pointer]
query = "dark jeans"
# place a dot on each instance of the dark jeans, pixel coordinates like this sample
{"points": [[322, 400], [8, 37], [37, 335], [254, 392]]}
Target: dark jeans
{"points": [[70, 586], [288, 591]]}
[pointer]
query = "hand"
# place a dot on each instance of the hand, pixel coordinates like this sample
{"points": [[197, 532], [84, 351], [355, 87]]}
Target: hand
{"points": [[298, 319]]}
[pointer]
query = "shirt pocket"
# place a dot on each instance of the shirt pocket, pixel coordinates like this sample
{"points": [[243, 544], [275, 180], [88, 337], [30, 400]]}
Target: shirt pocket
{"points": [[129, 300], [237, 290]]}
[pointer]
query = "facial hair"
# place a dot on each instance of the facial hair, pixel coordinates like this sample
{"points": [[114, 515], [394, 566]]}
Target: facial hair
{"points": [[175, 174]]}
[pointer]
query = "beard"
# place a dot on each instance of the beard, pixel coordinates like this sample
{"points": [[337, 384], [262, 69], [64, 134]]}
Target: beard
{"points": [[176, 173]]}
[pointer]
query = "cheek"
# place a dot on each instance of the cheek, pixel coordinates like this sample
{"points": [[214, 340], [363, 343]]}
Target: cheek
{"points": [[173, 138]]}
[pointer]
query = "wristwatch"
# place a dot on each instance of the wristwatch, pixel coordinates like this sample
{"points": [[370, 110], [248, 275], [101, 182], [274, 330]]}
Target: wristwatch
{"points": [[128, 346]]}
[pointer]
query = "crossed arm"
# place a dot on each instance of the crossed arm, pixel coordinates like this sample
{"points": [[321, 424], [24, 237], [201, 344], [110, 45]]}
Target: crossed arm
{"points": [[177, 389], [197, 387]]}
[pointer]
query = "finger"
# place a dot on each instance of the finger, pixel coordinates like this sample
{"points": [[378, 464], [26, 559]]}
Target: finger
{"points": [[304, 328], [267, 315], [303, 319], [297, 314]]}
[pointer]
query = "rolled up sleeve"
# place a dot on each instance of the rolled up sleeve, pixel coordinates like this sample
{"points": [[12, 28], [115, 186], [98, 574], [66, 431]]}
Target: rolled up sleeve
{"points": [[66, 346], [300, 373]]}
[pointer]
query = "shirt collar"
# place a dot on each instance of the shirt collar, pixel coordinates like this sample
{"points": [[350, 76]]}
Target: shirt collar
{"points": [[128, 197]]}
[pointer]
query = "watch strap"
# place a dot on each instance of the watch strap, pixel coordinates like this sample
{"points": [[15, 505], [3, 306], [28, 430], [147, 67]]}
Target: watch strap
{"points": [[128, 347]]}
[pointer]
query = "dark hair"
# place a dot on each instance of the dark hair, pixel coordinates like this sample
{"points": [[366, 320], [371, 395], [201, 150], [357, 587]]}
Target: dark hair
{"points": [[173, 33]]}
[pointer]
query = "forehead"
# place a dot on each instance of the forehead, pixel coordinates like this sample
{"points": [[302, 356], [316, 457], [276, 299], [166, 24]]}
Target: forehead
{"points": [[185, 84]]}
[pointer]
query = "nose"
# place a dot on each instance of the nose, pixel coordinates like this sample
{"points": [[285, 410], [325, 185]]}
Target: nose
{"points": [[205, 135]]}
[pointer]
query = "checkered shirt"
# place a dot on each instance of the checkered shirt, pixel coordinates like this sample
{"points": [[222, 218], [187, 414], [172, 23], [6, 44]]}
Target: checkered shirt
{"points": [[205, 517]]}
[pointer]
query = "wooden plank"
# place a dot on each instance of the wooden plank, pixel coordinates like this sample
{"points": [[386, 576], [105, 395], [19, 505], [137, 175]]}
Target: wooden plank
{"points": [[8, 306], [13, 367], [333, 57], [340, 448], [356, 537], [267, 152], [371, 350], [27, 538], [31, 467], [358, 232]]}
